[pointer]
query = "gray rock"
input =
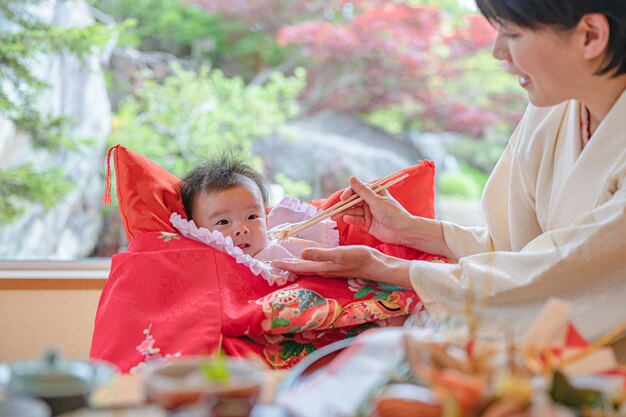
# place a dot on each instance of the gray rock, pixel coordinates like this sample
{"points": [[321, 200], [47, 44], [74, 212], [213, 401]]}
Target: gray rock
{"points": [[326, 149], [77, 90]]}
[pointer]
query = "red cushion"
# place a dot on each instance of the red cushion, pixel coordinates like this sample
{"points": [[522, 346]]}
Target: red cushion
{"points": [[187, 298], [148, 194]]}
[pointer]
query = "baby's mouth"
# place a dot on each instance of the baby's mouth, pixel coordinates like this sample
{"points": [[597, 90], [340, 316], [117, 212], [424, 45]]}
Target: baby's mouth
{"points": [[243, 246]]}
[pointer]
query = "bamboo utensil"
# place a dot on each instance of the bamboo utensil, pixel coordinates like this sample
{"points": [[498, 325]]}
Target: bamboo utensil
{"points": [[377, 187]]}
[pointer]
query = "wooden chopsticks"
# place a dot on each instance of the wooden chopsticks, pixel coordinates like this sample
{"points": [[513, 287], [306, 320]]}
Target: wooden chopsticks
{"points": [[378, 186]]}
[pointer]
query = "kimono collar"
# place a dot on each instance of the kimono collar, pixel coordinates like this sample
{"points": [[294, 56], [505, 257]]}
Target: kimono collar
{"points": [[586, 185]]}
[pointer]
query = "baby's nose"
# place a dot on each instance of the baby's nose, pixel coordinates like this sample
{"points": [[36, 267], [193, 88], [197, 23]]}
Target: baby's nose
{"points": [[241, 231]]}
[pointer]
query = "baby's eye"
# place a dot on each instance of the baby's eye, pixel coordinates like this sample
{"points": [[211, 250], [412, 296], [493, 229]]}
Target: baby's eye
{"points": [[253, 217], [222, 222]]}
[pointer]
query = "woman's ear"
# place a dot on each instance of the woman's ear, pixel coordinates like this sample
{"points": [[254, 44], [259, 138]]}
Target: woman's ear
{"points": [[596, 31]]}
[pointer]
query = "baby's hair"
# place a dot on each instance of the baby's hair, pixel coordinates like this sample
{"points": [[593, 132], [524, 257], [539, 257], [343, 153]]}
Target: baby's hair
{"points": [[221, 172]]}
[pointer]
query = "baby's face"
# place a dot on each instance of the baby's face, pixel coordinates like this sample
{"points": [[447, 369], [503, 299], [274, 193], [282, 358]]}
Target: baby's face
{"points": [[237, 212]]}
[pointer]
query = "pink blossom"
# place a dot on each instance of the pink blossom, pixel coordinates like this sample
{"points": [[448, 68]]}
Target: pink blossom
{"points": [[146, 346]]}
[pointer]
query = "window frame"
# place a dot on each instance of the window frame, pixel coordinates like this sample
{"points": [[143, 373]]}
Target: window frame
{"points": [[77, 274]]}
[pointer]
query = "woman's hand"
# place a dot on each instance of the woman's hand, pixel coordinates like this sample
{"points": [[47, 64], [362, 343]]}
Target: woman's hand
{"points": [[380, 214], [385, 219], [349, 262]]}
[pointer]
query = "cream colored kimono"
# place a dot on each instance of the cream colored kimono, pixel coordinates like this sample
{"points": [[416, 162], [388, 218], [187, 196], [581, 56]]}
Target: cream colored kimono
{"points": [[555, 227]]}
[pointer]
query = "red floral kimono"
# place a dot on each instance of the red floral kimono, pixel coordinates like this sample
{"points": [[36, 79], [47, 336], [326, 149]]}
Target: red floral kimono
{"points": [[170, 296]]}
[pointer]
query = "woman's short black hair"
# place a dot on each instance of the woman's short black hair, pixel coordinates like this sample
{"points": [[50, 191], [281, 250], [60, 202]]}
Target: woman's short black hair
{"points": [[564, 15], [219, 173]]}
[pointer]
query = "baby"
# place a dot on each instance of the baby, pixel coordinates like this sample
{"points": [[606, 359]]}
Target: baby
{"points": [[227, 195]]}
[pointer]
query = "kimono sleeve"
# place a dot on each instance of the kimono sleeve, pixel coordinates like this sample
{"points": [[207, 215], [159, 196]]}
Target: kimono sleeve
{"points": [[583, 263], [465, 241]]}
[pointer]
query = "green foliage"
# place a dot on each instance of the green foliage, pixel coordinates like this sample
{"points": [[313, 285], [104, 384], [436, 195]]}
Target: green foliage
{"points": [[187, 31], [246, 52], [194, 114], [25, 184], [168, 25], [293, 188], [391, 119], [20, 48], [481, 154], [24, 40], [454, 6], [478, 177], [455, 183], [467, 183], [478, 68]]}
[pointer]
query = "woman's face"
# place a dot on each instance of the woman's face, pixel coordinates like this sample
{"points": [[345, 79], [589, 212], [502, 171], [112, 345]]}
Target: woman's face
{"points": [[545, 61]]}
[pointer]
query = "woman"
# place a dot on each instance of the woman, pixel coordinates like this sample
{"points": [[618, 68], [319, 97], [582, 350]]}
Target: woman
{"points": [[555, 204]]}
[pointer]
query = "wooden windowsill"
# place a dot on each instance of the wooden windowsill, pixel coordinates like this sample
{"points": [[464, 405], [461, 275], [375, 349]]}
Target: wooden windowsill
{"points": [[51, 284], [54, 275]]}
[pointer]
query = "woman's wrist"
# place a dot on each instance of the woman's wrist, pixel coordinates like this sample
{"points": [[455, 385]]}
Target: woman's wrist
{"points": [[425, 235], [388, 269]]}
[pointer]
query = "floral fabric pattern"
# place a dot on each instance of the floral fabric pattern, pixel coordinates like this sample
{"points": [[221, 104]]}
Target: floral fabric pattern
{"points": [[199, 299], [151, 354]]}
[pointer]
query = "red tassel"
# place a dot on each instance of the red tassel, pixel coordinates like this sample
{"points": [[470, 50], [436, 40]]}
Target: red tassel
{"points": [[106, 198]]}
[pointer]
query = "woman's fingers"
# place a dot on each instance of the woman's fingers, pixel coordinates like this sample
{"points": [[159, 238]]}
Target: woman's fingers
{"points": [[352, 211], [367, 217], [362, 190], [358, 186], [361, 217], [299, 266], [321, 254], [354, 215], [360, 214], [346, 194], [318, 268], [312, 260], [357, 210], [355, 220], [327, 262]]}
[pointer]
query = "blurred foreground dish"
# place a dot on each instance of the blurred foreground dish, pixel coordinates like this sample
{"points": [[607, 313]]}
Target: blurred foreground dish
{"points": [[230, 392], [64, 384]]}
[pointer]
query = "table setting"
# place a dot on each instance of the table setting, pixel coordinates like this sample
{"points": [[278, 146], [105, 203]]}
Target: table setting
{"points": [[448, 368], [439, 367]]}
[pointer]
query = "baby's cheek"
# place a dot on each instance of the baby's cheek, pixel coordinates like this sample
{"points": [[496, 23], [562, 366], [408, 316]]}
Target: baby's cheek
{"points": [[225, 231], [201, 223], [264, 239]]}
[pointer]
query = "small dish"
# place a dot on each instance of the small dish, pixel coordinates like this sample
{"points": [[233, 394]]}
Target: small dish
{"points": [[312, 363], [64, 384], [182, 382]]}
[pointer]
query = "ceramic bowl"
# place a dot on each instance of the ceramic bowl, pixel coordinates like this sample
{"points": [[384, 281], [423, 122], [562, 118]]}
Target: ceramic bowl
{"points": [[182, 382]]}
